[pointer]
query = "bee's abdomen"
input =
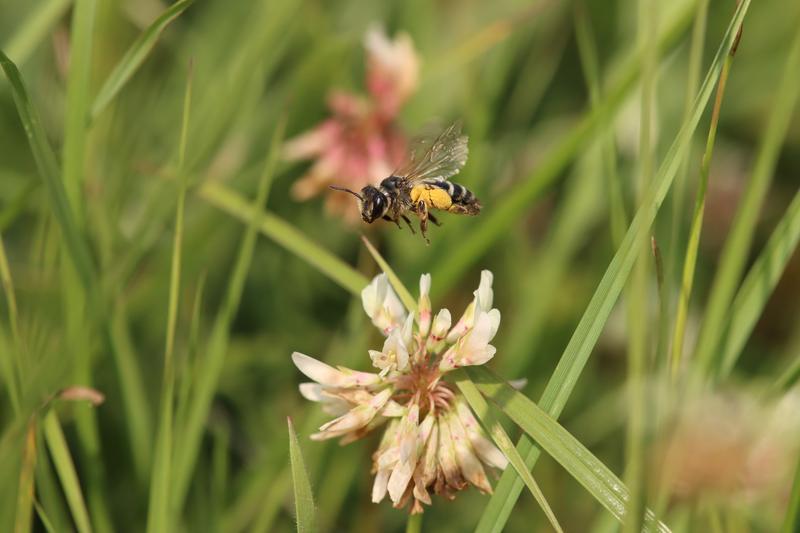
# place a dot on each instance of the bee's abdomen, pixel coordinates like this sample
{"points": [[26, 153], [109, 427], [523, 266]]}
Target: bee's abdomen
{"points": [[464, 201]]}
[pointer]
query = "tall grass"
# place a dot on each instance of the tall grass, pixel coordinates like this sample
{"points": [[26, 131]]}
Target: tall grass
{"points": [[151, 248]]}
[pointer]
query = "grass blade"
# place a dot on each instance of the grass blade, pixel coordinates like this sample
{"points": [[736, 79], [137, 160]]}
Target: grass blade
{"points": [[759, 284], [303, 497], [589, 471], [690, 259], [135, 56], [159, 509], [65, 468], [48, 169], [209, 373], [285, 235], [35, 28], [502, 440], [792, 521], [25, 498], [402, 291], [588, 330], [737, 246]]}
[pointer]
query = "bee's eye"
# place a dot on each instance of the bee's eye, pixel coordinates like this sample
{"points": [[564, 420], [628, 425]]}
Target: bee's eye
{"points": [[377, 206]]}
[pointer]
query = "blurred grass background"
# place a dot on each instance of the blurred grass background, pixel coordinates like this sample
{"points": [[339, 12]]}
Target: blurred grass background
{"points": [[519, 76]]}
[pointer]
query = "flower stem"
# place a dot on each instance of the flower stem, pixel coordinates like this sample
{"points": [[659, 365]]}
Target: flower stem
{"points": [[414, 524]]}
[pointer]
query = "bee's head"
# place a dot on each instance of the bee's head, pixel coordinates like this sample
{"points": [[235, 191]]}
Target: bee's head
{"points": [[371, 202]]}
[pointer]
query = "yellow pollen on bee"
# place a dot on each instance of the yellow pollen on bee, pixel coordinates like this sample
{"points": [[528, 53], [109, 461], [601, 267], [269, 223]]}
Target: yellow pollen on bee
{"points": [[431, 196]]}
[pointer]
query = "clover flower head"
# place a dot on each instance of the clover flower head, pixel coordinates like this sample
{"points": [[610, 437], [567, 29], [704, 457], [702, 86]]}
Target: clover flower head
{"points": [[431, 442]]}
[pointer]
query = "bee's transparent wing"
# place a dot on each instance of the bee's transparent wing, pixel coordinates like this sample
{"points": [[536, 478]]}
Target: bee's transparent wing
{"points": [[438, 158]]}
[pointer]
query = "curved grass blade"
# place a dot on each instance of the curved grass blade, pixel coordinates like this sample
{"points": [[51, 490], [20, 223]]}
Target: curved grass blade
{"points": [[402, 291], [479, 406], [759, 284], [25, 498], [303, 497], [77, 248], [577, 352], [737, 245], [134, 57], [690, 259], [285, 235], [587, 469], [65, 468]]}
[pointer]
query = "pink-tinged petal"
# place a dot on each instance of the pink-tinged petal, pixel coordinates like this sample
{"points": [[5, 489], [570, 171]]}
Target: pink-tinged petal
{"points": [[447, 457], [399, 479], [363, 432], [425, 473], [382, 305], [468, 462], [482, 302], [380, 485], [424, 313], [473, 348], [392, 409], [409, 434], [357, 417], [312, 142], [325, 170], [484, 448], [440, 326], [331, 404], [331, 377]]}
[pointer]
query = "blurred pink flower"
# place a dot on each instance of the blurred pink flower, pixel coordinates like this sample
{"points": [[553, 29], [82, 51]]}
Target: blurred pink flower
{"points": [[360, 143]]}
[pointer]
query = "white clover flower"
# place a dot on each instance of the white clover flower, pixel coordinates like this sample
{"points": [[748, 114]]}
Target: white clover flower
{"points": [[432, 442], [382, 305]]}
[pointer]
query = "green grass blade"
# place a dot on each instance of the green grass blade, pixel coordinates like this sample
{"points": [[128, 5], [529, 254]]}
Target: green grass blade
{"points": [[690, 259], [135, 56], [132, 390], [285, 235], [25, 497], [503, 442], [759, 284], [504, 214], [65, 468], [588, 330], [303, 497], [791, 523], [77, 105], [402, 292], [589, 471], [160, 508], [15, 375], [48, 169], [737, 246], [35, 29], [211, 369]]}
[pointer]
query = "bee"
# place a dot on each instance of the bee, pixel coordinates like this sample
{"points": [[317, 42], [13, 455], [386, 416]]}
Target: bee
{"points": [[422, 185]]}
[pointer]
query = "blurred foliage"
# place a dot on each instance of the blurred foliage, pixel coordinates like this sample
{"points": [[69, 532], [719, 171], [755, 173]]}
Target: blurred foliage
{"points": [[511, 70]]}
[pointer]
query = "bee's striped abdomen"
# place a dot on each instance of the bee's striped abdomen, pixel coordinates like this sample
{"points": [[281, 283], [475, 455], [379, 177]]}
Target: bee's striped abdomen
{"points": [[464, 201]]}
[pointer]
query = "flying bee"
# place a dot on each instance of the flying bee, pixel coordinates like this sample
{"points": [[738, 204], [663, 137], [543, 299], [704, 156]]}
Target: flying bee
{"points": [[422, 185]]}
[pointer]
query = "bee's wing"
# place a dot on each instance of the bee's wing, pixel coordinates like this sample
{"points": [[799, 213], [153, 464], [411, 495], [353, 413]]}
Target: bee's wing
{"points": [[436, 159]]}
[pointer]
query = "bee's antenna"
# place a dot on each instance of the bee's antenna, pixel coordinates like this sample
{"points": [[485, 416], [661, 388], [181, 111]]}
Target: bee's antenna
{"points": [[343, 189]]}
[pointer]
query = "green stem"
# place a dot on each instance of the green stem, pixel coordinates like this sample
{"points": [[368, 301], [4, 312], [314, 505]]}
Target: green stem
{"points": [[690, 260]]}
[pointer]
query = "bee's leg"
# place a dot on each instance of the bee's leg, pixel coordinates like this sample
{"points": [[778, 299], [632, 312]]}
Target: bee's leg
{"points": [[390, 219], [433, 219], [422, 213], [409, 223]]}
